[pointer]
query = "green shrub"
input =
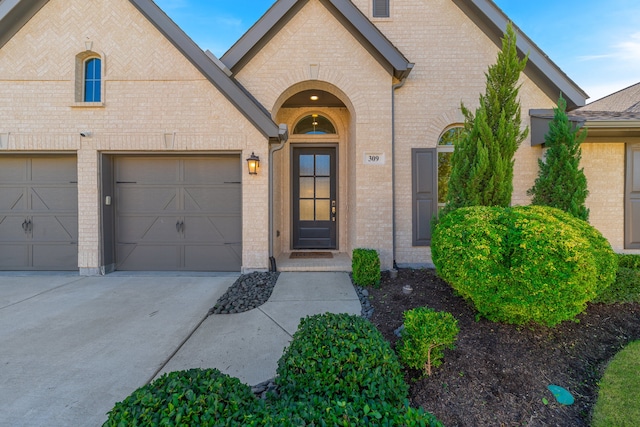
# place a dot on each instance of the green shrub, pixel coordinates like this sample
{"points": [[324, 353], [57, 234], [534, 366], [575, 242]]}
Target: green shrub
{"points": [[523, 264], [365, 267], [629, 261], [337, 371], [425, 335], [184, 398], [338, 357], [626, 288]]}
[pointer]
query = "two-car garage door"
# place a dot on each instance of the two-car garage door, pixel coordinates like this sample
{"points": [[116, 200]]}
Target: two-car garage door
{"points": [[38, 213], [178, 213]]}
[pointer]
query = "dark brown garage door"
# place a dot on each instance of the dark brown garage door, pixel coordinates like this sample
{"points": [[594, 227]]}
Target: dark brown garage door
{"points": [[38, 213], [178, 213]]}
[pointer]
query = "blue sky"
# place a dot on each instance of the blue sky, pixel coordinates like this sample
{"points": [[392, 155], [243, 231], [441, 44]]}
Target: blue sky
{"points": [[595, 42]]}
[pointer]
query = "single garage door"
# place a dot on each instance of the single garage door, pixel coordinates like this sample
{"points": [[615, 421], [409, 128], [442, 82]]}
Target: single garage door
{"points": [[178, 213], [38, 213]]}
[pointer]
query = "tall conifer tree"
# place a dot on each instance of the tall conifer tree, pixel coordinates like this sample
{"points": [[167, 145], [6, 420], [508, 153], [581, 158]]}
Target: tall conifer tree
{"points": [[482, 163], [561, 183]]}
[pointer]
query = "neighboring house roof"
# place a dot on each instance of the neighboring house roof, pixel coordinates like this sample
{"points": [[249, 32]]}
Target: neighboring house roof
{"points": [[484, 13], [14, 14], [346, 12], [614, 118]]}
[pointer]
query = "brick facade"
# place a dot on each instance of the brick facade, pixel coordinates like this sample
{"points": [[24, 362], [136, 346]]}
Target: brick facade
{"points": [[156, 101]]}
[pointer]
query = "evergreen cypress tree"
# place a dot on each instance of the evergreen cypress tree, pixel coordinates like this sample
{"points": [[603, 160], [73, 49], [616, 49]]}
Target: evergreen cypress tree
{"points": [[561, 183], [482, 163]]}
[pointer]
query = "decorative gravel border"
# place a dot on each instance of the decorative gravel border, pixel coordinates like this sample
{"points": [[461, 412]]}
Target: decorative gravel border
{"points": [[248, 292]]}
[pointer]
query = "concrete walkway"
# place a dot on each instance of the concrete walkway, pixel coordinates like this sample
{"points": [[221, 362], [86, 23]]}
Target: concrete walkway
{"points": [[70, 346]]}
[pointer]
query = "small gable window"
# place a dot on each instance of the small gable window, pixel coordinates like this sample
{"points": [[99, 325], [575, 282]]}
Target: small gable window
{"points": [[314, 124], [381, 8], [92, 80]]}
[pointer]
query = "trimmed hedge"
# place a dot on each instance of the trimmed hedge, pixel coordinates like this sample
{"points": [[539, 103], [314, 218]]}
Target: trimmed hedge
{"points": [[365, 267], [626, 287], [339, 357], [185, 398], [523, 264], [337, 371]]}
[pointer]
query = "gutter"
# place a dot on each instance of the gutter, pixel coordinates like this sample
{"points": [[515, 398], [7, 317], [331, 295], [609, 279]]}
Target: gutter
{"points": [[283, 136], [394, 87]]}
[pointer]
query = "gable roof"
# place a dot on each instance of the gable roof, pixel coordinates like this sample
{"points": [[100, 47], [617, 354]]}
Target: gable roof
{"points": [[540, 68], [623, 102], [484, 13], [345, 11], [14, 14]]}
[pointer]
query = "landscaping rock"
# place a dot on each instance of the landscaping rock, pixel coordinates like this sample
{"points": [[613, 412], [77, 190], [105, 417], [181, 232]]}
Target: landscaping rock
{"points": [[248, 292]]}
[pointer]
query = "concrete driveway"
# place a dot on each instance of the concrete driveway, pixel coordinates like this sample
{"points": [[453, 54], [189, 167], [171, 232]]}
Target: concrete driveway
{"points": [[70, 346]]}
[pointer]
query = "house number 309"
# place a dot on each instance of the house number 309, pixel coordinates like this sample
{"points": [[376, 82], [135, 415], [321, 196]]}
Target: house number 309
{"points": [[374, 158]]}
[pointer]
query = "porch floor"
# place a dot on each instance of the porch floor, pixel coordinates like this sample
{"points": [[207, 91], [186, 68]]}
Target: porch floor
{"points": [[341, 261]]}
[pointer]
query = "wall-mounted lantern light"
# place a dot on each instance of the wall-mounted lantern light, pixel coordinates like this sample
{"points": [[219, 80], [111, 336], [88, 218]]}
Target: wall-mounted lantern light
{"points": [[253, 162]]}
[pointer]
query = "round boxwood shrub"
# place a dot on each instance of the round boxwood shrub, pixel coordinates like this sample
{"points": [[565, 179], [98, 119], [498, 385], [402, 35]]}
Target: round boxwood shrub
{"points": [[338, 357], [202, 397], [339, 370], [523, 264]]}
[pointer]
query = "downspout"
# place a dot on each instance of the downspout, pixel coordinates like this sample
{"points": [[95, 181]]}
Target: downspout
{"points": [[283, 135], [394, 87]]}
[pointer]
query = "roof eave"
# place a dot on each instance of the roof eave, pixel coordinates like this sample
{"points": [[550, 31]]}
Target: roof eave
{"points": [[283, 10], [14, 14], [254, 112]]}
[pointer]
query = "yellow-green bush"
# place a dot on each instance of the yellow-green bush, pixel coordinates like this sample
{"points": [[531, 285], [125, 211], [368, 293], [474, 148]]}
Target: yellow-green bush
{"points": [[523, 264]]}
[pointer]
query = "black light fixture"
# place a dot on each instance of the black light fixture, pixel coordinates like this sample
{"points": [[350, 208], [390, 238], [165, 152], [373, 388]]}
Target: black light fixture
{"points": [[253, 162]]}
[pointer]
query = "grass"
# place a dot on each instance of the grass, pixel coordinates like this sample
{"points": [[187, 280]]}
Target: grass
{"points": [[619, 395]]}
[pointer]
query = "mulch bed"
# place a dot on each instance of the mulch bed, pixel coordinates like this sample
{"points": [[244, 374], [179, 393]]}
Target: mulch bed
{"points": [[498, 374]]}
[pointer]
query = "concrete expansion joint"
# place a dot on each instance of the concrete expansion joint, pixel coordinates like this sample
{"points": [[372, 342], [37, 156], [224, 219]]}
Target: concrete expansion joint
{"points": [[275, 322], [41, 293]]}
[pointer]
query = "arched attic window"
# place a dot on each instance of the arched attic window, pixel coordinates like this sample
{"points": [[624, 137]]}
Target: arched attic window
{"points": [[89, 78], [92, 80], [314, 124]]}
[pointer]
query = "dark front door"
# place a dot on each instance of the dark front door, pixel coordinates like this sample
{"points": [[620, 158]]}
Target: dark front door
{"points": [[314, 198]]}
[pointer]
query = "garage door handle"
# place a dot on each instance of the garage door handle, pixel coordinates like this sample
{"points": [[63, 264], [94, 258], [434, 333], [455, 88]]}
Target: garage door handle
{"points": [[25, 226], [30, 226], [180, 226]]}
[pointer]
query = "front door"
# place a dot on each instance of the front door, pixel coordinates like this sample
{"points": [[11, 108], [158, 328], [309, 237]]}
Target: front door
{"points": [[314, 198]]}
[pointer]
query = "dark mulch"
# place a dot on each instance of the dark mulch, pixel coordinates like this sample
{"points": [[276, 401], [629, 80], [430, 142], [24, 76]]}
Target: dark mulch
{"points": [[498, 374]]}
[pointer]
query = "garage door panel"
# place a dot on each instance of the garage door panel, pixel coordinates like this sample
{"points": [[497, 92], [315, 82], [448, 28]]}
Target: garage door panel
{"points": [[14, 256], [146, 199], [214, 199], [55, 257], [187, 219], [11, 229], [214, 170], [212, 257], [144, 170], [54, 198], [13, 170], [59, 228], [144, 229], [12, 199], [38, 213], [148, 257], [63, 170]]}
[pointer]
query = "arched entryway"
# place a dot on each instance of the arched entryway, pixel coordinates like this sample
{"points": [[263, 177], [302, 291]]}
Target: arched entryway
{"points": [[312, 174]]}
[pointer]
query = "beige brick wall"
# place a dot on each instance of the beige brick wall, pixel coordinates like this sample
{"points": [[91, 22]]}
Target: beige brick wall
{"points": [[151, 93], [604, 167]]}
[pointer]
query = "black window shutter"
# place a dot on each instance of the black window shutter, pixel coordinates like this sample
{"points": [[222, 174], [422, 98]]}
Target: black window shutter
{"points": [[424, 193], [380, 8]]}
